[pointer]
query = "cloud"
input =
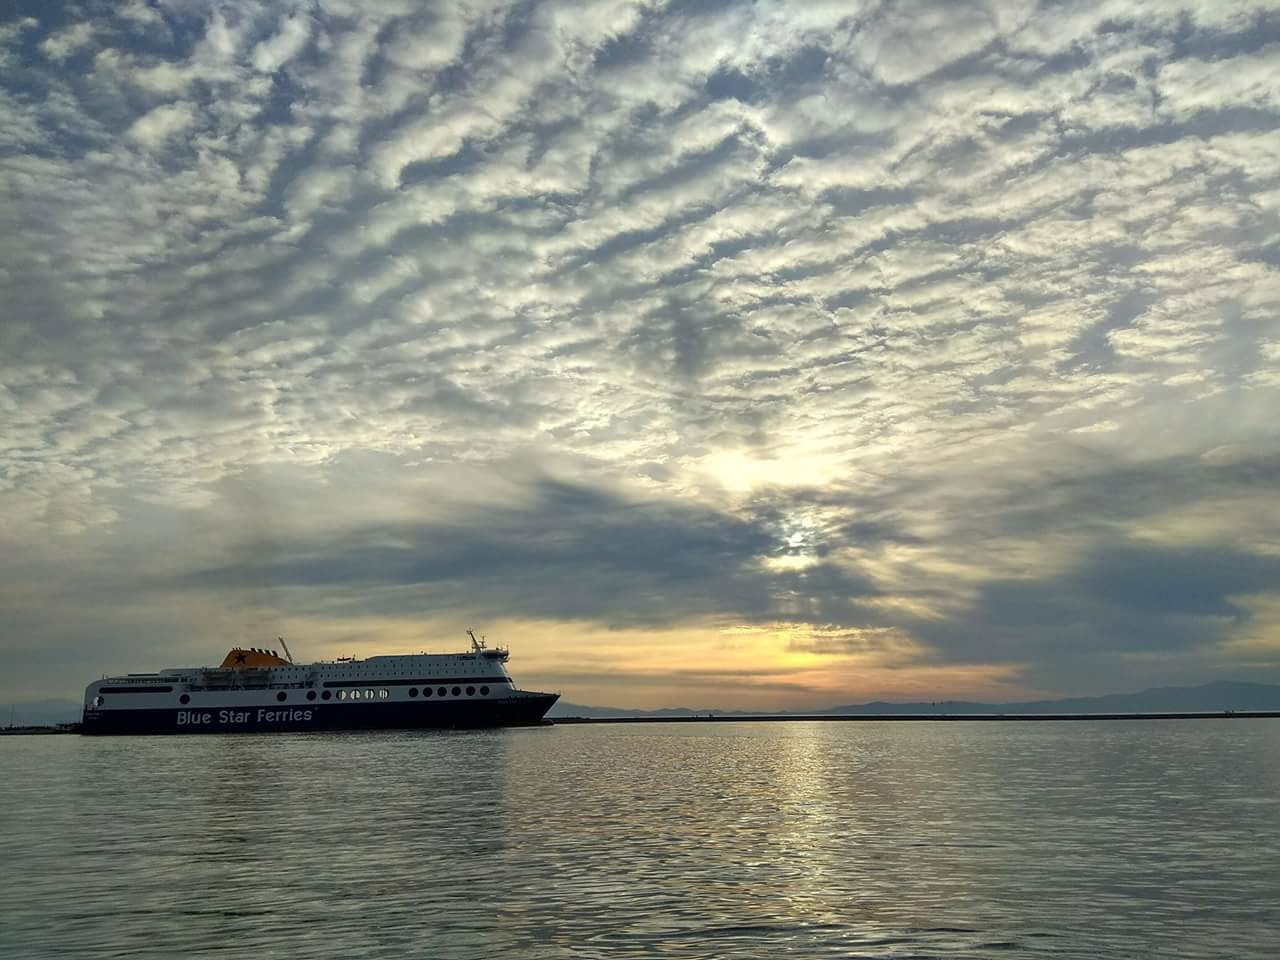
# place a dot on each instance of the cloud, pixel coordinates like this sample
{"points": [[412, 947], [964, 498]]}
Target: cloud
{"points": [[912, 326], [908, 42], [1243, 82], [62, 44], [270, 55], [318, 188], [156, 127], [630, 563], [1114, 616]]}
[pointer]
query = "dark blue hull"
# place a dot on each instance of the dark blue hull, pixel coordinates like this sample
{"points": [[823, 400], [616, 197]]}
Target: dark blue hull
{"points": [[419, 714]]}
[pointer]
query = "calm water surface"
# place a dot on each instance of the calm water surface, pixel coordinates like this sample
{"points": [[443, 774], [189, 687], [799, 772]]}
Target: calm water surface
{"points": [[1121, 839]]}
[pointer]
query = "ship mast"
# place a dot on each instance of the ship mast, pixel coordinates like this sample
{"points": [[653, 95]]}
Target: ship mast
{"points": [[286, 649]]}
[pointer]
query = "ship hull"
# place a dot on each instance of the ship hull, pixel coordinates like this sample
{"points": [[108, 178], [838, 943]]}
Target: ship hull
{"points": [[312, 717]]}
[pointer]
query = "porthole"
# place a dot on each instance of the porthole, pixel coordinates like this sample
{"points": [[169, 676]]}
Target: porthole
{"points": [[326, 695], [282, 696], [471, 691], [426, 691], [368, 694], [442, 691], [457, 691], [311, 694], [185, 698], [98, 701], [413, 691], [383, 693], [342, 694], [484, 691]]}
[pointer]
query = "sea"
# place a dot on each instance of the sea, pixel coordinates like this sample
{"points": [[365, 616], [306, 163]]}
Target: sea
{"points": [[1107, 839]]}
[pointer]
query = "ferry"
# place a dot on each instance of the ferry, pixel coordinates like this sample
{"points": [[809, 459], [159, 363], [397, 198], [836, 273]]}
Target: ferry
{"points": [[256, 690]]}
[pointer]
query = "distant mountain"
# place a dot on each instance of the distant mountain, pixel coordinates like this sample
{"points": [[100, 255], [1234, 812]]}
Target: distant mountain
{"points": [[1210, 697], [1221, 695], [563, 709]]}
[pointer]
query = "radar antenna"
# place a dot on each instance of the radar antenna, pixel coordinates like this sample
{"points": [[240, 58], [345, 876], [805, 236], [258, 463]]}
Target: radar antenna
{"points": [[286, 649]]}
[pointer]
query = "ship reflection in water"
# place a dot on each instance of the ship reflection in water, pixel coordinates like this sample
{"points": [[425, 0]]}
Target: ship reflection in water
{"points": [[720, 840]]}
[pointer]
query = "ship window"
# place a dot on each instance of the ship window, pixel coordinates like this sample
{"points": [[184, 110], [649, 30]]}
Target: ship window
{"points": [[457, 691], [426, 691], [342, 694], [97, 701], [326, 695], [185, 698], [368, 694], [471, 691], [311, 694], [484, 691], [282, 696], [442, 691], [137, 689], [413, 691], [383, 694]]}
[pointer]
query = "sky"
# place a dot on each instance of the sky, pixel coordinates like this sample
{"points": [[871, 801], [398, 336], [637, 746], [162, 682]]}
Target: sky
{"points": [[705, 353]]}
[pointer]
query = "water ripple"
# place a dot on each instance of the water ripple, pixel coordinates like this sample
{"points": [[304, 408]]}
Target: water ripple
{"points": [[684, 841]]}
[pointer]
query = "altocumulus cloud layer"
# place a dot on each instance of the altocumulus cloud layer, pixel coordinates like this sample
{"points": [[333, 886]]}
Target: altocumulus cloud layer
{"points": [[784, 351]]}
